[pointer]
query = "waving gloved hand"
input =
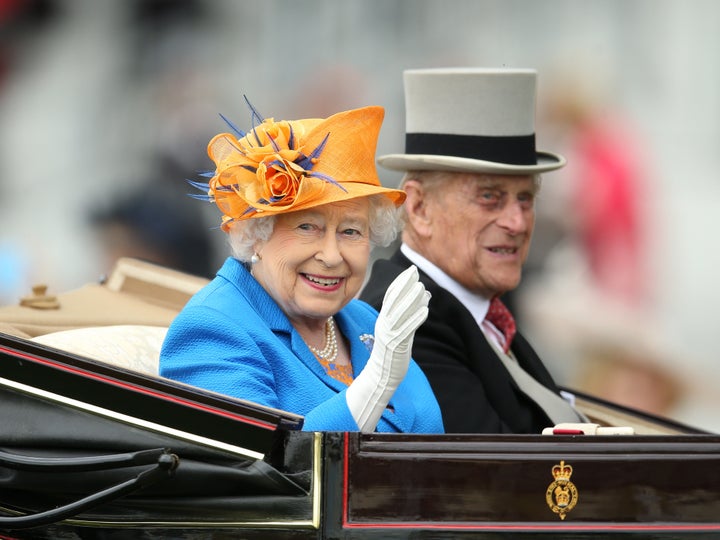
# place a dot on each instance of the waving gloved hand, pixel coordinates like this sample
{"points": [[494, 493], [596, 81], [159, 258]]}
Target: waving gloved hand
{"points": [[403, 310]]}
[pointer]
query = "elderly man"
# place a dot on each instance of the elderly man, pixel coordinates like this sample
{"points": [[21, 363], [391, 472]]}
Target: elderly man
{"points": [[471, 179]]}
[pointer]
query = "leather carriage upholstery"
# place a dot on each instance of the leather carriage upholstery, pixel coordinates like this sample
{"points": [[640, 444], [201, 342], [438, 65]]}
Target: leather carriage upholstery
{"points": [[121, 321]]}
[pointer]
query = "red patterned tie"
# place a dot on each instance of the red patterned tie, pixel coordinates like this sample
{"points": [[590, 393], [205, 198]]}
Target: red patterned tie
{"points": [[502, 319]]}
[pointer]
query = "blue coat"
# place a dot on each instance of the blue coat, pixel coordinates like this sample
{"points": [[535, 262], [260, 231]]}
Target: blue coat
{"points": [[233, 338]]}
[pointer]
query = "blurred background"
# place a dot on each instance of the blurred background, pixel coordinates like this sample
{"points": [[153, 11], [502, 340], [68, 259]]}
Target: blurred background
{"points": [[106, 107]]}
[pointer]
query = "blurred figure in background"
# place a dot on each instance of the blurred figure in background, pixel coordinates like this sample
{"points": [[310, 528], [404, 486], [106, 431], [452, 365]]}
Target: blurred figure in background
{"points": [[159, 223], [328, 88], [19, 19], [14, 271], [589, 298], [631, 376], [606, 189]]}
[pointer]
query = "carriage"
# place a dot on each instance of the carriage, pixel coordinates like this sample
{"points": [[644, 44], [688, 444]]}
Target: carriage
{"points": [[94, 444]]}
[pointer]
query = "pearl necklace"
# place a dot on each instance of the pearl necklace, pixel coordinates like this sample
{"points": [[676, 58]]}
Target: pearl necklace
{"points": [[330, 351]]}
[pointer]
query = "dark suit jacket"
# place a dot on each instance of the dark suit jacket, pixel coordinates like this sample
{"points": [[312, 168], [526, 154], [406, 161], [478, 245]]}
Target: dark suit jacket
{"points": [[475, 391]]}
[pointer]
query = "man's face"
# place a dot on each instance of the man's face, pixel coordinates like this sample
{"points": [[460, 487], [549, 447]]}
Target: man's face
{"points": [[480, 230]]}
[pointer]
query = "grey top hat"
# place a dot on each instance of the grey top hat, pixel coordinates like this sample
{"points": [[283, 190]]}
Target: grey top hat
{"points": [[471, 120]]}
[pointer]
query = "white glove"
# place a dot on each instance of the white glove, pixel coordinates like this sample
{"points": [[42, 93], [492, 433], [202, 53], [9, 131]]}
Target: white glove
{"points": [[403, 310]]}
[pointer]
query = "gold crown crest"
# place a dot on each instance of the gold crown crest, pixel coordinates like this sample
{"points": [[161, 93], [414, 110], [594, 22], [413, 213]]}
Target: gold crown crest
{"points": [[562, 471]]}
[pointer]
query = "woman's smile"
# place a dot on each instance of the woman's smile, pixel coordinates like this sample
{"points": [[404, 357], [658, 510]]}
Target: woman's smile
{"points": [[323, 283]]}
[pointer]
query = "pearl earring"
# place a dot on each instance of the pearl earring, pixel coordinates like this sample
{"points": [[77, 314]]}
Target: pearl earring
{"points": [[255, 258]]}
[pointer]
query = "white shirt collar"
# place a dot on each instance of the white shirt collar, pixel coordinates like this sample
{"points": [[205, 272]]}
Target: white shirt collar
{"points": [[477, 305]]}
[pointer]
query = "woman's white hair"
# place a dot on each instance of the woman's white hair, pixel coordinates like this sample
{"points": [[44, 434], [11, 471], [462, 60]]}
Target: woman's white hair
{"points": [[243, 235]]}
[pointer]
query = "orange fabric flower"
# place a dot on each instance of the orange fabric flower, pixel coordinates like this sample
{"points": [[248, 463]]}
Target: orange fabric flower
{"points": [[292, 165]]}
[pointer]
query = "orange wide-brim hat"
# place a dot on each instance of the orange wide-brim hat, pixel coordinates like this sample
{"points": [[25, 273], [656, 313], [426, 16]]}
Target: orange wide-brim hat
{"points": [[287, 166]]}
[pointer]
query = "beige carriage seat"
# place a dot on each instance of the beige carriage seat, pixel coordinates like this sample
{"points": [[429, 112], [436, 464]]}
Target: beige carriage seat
{"points": [[135, 347], [122, 320]]}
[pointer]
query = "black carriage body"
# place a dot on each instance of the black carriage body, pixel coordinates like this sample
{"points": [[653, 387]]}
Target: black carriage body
{"points": [[215, 467]]}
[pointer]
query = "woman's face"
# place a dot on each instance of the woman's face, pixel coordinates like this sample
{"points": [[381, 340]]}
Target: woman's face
{"points": [[315, 261]]}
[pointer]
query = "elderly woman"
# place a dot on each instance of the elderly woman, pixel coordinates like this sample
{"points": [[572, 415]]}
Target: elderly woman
{"points": [[302, 205]]}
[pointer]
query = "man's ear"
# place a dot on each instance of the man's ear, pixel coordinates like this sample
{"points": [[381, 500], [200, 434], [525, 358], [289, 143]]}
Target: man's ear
{"points": [[419, 213]]}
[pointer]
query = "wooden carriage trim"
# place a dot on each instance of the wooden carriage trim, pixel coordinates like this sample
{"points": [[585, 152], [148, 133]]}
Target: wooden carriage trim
{"points": [[499, 527]]}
